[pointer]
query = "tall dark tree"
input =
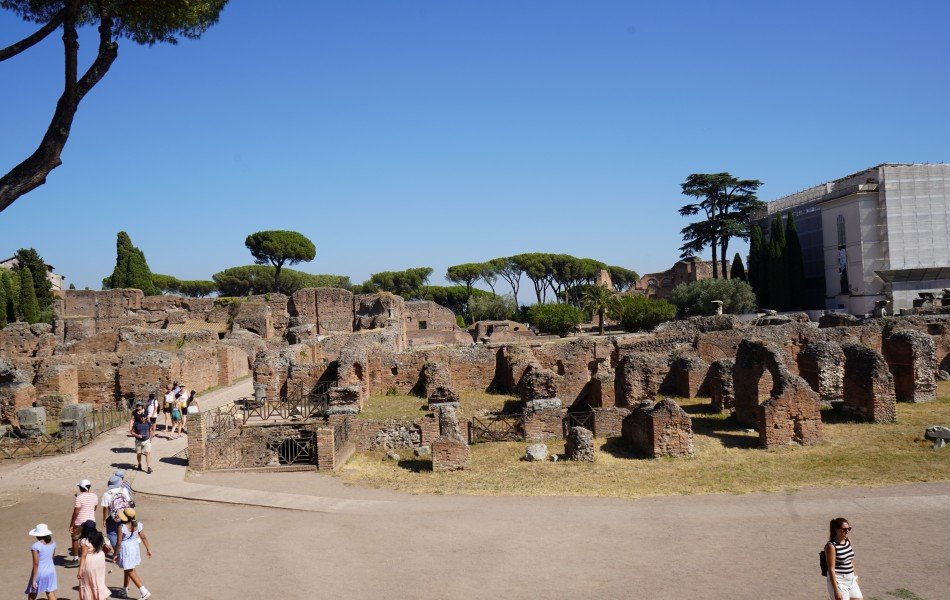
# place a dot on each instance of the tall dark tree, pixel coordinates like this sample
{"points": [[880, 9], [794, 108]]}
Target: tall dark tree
{"points": [[278, 248], [759, 265], [143, 22], [508, 270], [29, 306], [411, 284], [465, 274], [738, 269], [621, 278], [727, 204], [778, 275], [794, 264], [537, 267], [131, 269], [11, 287], [30, 259]]}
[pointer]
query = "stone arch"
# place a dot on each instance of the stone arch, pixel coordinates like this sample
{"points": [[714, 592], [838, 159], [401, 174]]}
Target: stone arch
{"points": [[821, 364], [754, 374], [912, 357], [868, 385]]}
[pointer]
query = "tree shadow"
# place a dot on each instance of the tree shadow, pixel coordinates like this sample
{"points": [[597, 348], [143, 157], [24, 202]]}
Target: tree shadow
{"points": [[174, 460], [416, 465], [726, 430], [616, 447]]}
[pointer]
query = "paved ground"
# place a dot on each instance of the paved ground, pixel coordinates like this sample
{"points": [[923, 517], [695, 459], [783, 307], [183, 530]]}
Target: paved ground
{"points": [[355, 543]]}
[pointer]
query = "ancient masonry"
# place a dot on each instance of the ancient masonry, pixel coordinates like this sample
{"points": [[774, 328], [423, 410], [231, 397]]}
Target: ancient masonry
{"points": [[773, 373]]}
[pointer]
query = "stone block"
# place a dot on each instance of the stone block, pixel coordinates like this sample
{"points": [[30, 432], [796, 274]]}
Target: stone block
{"points": [[912, 359], [450, 454], [663, 429], [543, 419], [690, 376], [536, 453], [641, 376], [60, 379], [868, 385], [603, 389], [821, 364], [537, 383], [721, 390], [579, 445]]}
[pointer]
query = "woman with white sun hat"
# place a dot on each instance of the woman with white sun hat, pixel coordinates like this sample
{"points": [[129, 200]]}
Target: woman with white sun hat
{"points": [[43, 576]]}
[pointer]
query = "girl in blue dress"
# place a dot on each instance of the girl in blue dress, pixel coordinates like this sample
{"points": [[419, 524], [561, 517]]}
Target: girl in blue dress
{"points": [[43, 576]]}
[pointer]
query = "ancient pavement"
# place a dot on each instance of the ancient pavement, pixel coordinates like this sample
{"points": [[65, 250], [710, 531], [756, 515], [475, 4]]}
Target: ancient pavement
{"points": [[355, 543]]}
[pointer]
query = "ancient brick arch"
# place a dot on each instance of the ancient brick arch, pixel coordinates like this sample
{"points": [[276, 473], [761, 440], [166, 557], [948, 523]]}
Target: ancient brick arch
{"points": [[912, 359], [868, 385], [779, 404]]}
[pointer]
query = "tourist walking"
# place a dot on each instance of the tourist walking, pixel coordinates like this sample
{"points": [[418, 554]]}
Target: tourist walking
{"points": [[43, 577], [842, 578], [114, 500], [167, 403], [141, 430], [191, 407], [177, 417], [128, 554], [92, 564], [120, 473], [151, 411], [84, 509]]}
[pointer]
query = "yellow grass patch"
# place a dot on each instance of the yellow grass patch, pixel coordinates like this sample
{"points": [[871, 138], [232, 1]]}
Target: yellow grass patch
{"points": [[403, 406], [726, 460]]}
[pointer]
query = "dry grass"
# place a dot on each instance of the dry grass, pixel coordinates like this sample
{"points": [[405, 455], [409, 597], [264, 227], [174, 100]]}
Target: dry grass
{"points": [[726, 460], [402, 406]]}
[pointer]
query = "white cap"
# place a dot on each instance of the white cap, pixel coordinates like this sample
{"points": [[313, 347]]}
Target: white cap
{"points": [[85, 484]]}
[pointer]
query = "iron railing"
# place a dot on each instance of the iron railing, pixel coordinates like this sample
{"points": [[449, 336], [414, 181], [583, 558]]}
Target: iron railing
{"points": [[496, 428], [583, 419], [341, 434], [19, 443]]}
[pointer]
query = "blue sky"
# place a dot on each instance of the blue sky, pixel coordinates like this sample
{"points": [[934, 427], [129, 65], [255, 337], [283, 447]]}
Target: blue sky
{"points": [[400, 134]]}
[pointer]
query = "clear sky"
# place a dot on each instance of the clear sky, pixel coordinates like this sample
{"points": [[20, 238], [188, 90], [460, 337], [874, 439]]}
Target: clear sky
{"points": [[429, 133]]}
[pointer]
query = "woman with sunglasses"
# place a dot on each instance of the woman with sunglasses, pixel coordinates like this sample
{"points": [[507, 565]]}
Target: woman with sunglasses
{"points": [[842, 578]]}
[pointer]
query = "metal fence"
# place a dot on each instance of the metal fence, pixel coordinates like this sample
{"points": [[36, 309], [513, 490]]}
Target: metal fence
{"points": [[20, 443], [496, 428], [296, 405], [578, 419]]}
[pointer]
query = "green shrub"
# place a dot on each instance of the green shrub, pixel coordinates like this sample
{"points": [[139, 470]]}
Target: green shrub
{"points": [[640, 313], [460, 321], [558, 319], [492, 308], [696, 298]]}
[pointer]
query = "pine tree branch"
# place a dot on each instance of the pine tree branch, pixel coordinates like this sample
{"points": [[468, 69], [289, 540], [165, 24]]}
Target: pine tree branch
{"points": [[30, 41]]}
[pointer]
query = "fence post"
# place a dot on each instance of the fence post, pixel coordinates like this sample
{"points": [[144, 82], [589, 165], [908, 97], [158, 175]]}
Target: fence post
{"points": [[326, 452]]}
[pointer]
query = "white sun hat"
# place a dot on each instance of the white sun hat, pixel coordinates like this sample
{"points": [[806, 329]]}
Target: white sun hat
{"points": [[40, 530], [85, 484]]}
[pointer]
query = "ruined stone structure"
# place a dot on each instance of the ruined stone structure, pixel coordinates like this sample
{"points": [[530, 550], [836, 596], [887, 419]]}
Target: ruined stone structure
{"points": [[542, 419], [821, 364], [663, 429], [912, 359], [579, 445], [450, 451], [868, 385], [659, 285], [690, 376], [721, 391]]}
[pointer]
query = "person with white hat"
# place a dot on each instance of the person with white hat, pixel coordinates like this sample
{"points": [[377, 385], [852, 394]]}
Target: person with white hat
{"points": [[127, 553], [84, 509], [43, 576]]}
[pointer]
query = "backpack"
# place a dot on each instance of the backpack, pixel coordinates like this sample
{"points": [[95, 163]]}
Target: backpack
{"points": [[823, 563], [119, 502]]}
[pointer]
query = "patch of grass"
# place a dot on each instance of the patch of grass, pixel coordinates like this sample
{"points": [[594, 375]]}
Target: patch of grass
{"points": [[404, 406], [727, 460], [904, 594]]}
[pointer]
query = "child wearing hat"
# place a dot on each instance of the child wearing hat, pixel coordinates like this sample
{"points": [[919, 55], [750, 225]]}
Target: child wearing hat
{"points": [[43, 576], [84, 509], [127, 552]]}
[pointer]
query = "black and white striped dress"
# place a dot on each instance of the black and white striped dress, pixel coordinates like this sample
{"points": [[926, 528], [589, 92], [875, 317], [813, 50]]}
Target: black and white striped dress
{"points": [[844, 554]]}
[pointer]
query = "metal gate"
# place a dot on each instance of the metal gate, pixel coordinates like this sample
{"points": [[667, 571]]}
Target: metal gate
{"points": [[579, 419], [496, 428]]}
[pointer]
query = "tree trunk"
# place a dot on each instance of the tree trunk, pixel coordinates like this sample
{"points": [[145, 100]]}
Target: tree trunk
{"points": [[715, 259], [277, 266], [600, 313], [724, 244]]}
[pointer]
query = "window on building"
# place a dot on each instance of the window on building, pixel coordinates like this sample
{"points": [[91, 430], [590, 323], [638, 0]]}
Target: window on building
{"points": [[423, 325], [842, 238]]}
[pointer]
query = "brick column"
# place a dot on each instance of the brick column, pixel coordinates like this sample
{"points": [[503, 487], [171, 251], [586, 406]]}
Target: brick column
{"points": [[326, 453], [197, 440]]}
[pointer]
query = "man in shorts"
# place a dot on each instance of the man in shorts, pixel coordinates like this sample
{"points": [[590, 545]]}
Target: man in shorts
{"points": [[141, 430]]}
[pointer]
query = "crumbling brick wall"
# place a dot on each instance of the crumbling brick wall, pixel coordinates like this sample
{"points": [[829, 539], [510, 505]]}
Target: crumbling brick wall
{"points": [[821, 364], [912, 359], [868, 385], [543, 419], [450, 451], [690, 376], [641, 376], [721, 390], [661, 429]]}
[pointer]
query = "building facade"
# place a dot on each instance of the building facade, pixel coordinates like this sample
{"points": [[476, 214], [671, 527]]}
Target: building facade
{"points": [[878, 235], [58, 281]]}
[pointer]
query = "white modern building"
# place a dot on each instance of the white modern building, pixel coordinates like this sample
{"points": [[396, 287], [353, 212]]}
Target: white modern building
{"points": [[879, 234], [58, 281]]}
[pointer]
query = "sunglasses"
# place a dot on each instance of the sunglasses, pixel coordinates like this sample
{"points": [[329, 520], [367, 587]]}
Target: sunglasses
{"points": [[846, 528]]}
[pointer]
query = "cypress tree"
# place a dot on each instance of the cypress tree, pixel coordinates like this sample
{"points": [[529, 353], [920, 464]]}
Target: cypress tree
{"points": [[29, 258], [29, 306], [778, 276], [11, 288], [131, 269], [794, 265], [758, 265], [738, 269]]}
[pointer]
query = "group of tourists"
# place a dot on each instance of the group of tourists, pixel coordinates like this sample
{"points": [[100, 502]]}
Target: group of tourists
{"points": [[175, 404], [92, 548]]}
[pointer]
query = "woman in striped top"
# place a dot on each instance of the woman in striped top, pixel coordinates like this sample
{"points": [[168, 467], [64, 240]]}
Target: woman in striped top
{"points": [[842, 578]]}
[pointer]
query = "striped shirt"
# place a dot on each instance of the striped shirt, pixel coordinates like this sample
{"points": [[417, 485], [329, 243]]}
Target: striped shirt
{"points": [[844, 554]]}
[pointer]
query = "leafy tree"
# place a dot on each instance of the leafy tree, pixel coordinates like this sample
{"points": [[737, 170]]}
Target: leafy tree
{"points": [[778, 274], [600, 300], [794, 265], [72, 286], [259, 279], [29, 306], [489, 275], [571, 275], [558, 319], [492, 308], [727, 204], [738, 269], [453, 297], [622, 279], [410, 284], [279, 248], [465, 274], [759, 265], [507, 268], [197, 288], [131, 269], [696, 298], [640, 313], [144, 22], [536, 267], [42, 287], [11, 287], [165, 284]]}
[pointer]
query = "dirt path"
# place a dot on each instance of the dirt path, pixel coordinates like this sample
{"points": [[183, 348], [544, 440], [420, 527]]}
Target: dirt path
{"points": [[405, 546]]}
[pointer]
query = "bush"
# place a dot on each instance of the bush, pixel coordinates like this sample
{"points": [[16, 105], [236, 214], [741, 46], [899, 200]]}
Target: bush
{"points": [[460, 321], [696, 298], [559, 319], [492, 308], [640, 313]]}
